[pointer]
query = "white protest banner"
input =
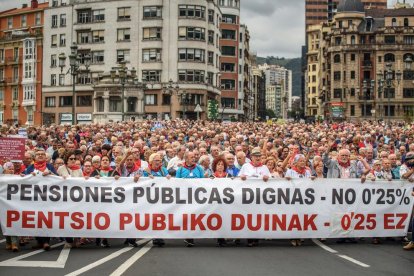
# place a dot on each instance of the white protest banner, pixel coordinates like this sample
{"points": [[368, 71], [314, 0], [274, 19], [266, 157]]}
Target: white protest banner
{"points": [[203, 208]]}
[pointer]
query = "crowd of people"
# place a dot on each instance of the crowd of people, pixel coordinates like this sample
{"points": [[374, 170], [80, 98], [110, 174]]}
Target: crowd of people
{"points": [[368, 151]]}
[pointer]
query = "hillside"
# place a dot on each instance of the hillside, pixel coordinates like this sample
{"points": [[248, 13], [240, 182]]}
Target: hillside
{"points": [[293, 64]]}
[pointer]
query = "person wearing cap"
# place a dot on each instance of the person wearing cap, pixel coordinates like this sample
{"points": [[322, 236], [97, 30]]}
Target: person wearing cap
{"points": [[254, 169]]}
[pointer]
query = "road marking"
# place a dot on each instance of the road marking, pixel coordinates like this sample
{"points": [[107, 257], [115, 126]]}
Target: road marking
{"points": [[353, 260], [104, 260], [128, 263], [3, 240], [321, 245], [59, 263], [327, 248]]}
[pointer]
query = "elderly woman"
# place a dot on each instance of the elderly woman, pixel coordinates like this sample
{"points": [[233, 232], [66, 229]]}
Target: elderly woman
{"points": [[298, 170], [271, 165], [70, 168], [219, 167]]}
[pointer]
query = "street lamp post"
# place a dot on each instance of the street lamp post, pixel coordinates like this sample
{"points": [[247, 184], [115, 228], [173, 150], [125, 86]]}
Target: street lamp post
{"points": [[121, 73], [389, 76], [364, 91], [75, 61], [380, 88], [185, 100]]}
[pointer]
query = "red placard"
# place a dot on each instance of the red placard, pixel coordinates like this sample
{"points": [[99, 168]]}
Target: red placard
{"points": [[12, 148]]}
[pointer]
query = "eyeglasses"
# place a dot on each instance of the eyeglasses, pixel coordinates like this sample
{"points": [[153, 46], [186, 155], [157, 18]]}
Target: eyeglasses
{"points": [[71, 158]]}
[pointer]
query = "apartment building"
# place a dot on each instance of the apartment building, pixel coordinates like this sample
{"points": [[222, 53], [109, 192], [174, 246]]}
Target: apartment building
{"points": [[161, 43], [360, 64], [21, 55]]}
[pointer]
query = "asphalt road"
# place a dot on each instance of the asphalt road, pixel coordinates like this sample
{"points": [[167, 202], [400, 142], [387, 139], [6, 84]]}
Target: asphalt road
{"points": [[275, 257]]}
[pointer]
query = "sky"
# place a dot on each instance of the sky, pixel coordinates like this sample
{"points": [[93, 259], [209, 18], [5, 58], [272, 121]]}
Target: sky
{"points": [[277, 27]]}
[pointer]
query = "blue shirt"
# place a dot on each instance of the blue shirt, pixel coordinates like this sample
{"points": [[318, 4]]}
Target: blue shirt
{"points": [[161, 173], [233, 172], [196, 172]]}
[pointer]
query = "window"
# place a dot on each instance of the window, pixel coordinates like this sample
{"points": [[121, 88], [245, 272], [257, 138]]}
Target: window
{"points": [[229, 19], [53, 80], [394, 22], [409, 39], [151, 55], [352, 57], [337, 58], [352, 110], [124, 34], [54, 21], [83, 37], [10, 22], [84, 78], [23, 20], [152, 12], [84, 16], [151, 75], [166, 99], [389, 92], [1, 55], [84, 101], [151, 99], [1, 95], [392, 110], [337, 75], [153, 33], [227, 67], [62, 40], [15, 96], [408, 93], [228, 84], [408, 110], [122, 55], [98, 15], [211, 16], [228, 51], [97, 57], [338, 40], [63, 20], [211, 37], [389, 39], [54, 41], [210, 59], [337, 93], [379, 59], [15, 74], [55, 3], [192, 11], [406, 24], [124, 13], [228, 102], [61, 79], [352, 75], [353, 40], [50, 101], [28, 70], [389, 57], [38, 19], [65, 100], [191, 33], [190, 54], [228, 34], [196, 76], [98, 36], [352, 92]]}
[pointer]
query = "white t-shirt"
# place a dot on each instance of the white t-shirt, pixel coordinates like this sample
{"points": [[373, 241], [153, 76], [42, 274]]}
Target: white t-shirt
{"points": [[250, 171], [174, 163], [294, 174]]}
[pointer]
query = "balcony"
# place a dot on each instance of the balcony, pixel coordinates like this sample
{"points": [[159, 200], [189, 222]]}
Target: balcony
{"points": [[29, 102], [366, 63], [366, 97]]}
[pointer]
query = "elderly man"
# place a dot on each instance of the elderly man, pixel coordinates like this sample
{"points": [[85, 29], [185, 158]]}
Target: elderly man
{"points": [[254, 169], [232, 170], [394, 165], [190, 169]]}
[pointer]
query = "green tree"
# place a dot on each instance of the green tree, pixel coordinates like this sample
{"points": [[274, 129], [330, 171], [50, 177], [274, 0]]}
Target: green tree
{"points": [[270, 113], [212, 108]]}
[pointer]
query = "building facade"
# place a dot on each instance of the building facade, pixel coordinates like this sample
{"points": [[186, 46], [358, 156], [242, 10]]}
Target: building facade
{"points": [[348, 61], [278, 89], [165, 42], [21, 55], [231, 43]]}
